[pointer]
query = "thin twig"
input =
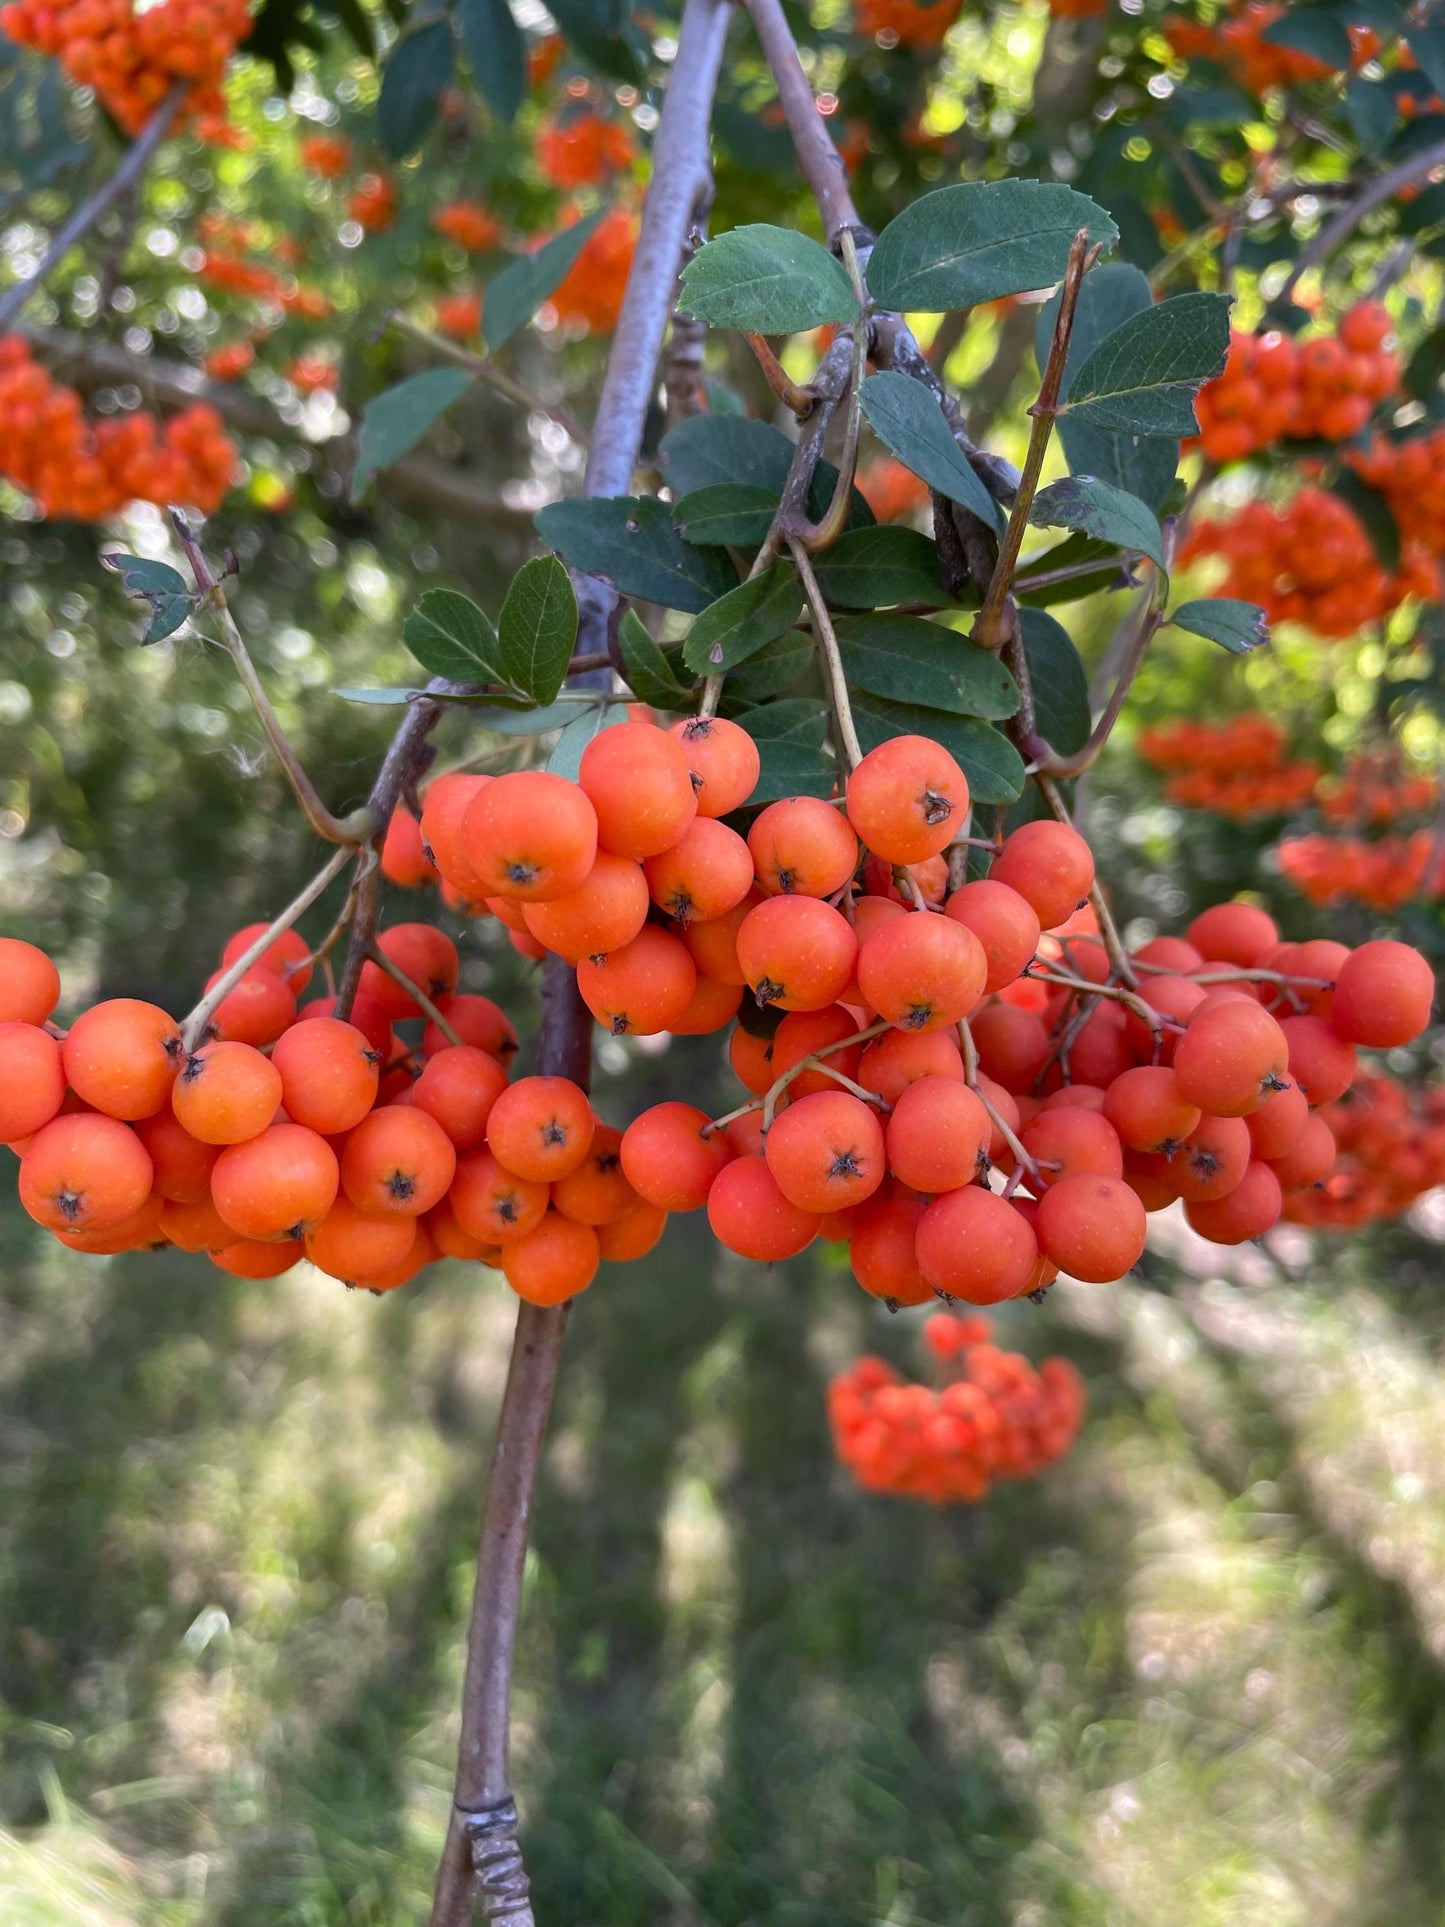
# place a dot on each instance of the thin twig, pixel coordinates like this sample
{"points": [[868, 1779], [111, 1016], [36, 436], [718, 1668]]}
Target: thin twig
{"points": [[827, 641], [970, 1076], [795, 399], [486, 371], [193, 1031], [819, 159], [351, 830], [425, 1004], [1373, 194], [137, 159]]}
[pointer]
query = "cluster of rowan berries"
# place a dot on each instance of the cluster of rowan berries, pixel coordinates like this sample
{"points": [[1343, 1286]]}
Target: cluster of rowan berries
{"points": [[327, 155], [1389, 1150], [1272, 387], [994, 1417], [289, 1133], [1410, 475], [923, 24], [372, 203], [469, 224], [1238, 768], [1375, 789], [133, 56], [1236, 41], [1383, 874], [584, 149], [79, 470], [1311, 562]]}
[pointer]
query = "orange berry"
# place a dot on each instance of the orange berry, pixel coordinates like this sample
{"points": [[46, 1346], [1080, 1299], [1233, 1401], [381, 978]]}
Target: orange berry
{"points": [[1051, 867], [826, 1151], [494, 1204], [329, 1074], [633, 1235], [1384, 993], [1072, 1140], [477, 1021], [195, 1227], [541, 1128], [597, 1192], [1231, 1058], [713, 945], [667, 1159], [883, 1250], [276, 1185], [397, 1160], [29, 983], [749, 1213], [554, 1262], [1148, 1110], [373, 1024], [796, 952], [907, 799], [122, 1056], [640, 989], [249, 1258], [723, 762], [289, 956], [404, 860], [84, 1173], [1276, 1127], [1320, 1061], [443, 811], [1246, 1212], [922, 971], [938, 1135], [1310, 1159], [139, 1230], [458, 1087], [530, 836], [706, 873], [1013, 1045], [799, 1035], [32, 1080], [356, 1245], [603, 914], [637, 780], [449, 1236], [1003, 922], [1211, 1160], [182, 1165], [1092, 1227], [974, 1245], [423, 954], [899, 1058], [226, 1093], [1234, 933], [802, 847], [711, 1007], [255, 1011]]}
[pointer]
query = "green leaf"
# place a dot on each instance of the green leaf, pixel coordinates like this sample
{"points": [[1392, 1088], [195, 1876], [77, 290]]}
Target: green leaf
{"points": [[988, 759], [1312, 31], [774, 669], [393, 422], [1425, 367], [537, 628], [1144, 465], [566, 757], [599, 31], [449, 635], [1238, 627], [524, 284], [979, 241], [1061, 688], [496, 54], [735, 513], [906, 418], [707, 450], [419, 67], [871, 568], [743, 621], [630, 540], [525, 722], [156, 583], [1372, 114], [1427, 44], [1143, 377], [381, 698], [768, 281], [790, 736], [907, 659], [1098, 509], [649, 673], [1374, 514]]}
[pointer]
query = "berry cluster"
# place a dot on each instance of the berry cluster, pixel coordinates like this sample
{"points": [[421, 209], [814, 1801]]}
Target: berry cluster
{"points": [[589, 297], [1389, 1150], [1410, 475], [133, 56], [906, 23], [372, 204], [326, 155], [1350, 869], [1236, 42], [1311, 562], [83, 471], [1272, 387], [1238, 768], [994, 1417], [584, 150], [469, 224], [291, 1133]]}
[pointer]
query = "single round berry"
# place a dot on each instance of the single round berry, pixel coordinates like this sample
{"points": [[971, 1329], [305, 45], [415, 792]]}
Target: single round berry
{"points": [[636, 777], [908, 799]]}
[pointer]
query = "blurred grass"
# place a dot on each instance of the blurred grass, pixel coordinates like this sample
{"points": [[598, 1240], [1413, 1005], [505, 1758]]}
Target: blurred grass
{"points": [[1178, 1681]]}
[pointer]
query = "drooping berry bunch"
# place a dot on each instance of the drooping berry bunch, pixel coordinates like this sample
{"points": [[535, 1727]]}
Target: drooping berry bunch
{"points": [[1410, 474], [922, 24], [83, 471], [469, 224], [1238, 768], [287, 1133], [1311, 562], [1236, 41], [133, 56], [589, 296], [584, 149], [1383, 873], [1389, 1150], [1375, 789], [1273, 387], [994, 1417]]}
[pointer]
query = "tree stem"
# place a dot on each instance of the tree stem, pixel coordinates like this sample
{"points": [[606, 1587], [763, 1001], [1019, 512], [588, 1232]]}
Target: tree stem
{"points": [[827, 641]]}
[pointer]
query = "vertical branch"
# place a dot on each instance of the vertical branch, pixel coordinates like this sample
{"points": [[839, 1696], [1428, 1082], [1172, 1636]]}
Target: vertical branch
{"points": [[481, 1855], [819, 159]]}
